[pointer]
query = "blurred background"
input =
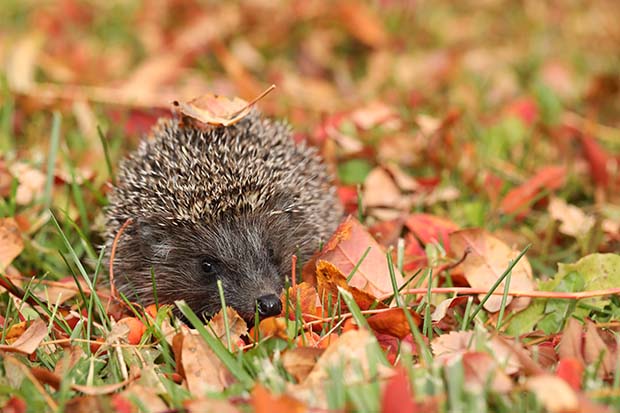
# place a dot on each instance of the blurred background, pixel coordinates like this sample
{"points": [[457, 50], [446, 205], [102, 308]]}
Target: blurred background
{"points": [[437, 106]]}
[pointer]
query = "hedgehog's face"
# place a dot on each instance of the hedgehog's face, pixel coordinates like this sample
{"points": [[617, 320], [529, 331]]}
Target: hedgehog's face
{"points": [[242, 254]]}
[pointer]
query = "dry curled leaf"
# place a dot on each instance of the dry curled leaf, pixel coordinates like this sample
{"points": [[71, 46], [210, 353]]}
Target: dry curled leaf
{"points": [[217, 110], [345, 250], [393, 322], [29, 340], [554, 393], [299, 361], [487, 260], [329, 278], [11, 243]]}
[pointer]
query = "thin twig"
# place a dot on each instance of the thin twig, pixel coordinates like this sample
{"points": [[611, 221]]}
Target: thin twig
{"points": [[113, 294], [515, 293]]}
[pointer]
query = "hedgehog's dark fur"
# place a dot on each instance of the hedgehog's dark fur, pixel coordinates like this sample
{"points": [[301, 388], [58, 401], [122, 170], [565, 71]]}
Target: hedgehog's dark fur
{"points": [[245, 198]]}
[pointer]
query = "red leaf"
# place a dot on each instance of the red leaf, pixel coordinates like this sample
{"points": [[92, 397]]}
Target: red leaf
{"points": [[415, 256], [597, 159], [429, 228], [519, 199], [570, 370], [525, 109], [15, 405], [397, 396]]}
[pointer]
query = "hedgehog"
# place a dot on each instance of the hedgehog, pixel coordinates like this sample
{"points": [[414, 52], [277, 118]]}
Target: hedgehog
{"points": [[230, 203]]}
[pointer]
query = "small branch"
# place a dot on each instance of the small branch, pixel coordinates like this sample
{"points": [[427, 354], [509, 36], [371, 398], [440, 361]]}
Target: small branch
{"points": [[113, 294], [514, 293]]}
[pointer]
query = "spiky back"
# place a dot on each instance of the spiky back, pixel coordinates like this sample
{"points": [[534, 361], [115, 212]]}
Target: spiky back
{"points": [[183, 174]]}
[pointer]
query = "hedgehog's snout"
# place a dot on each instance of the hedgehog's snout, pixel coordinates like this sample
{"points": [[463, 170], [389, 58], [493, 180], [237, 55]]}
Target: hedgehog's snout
{"points": [[268, 305]]}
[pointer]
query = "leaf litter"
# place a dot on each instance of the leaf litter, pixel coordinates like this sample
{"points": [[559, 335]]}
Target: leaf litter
{"points": [[452, 153]]}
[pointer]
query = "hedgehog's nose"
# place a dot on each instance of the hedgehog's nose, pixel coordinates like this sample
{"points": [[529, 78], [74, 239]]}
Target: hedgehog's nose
{"points": [[268, 305]]}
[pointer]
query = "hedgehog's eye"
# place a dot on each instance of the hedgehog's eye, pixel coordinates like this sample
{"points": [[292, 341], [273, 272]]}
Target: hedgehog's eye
{"points": [[208, 266]]}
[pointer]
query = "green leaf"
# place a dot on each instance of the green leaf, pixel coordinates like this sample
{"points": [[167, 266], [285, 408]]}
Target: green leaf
{"points": [[593, 272]]}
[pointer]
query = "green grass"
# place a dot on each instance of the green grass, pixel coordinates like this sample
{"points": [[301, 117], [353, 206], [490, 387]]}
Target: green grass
{"points": [[443, 59]]}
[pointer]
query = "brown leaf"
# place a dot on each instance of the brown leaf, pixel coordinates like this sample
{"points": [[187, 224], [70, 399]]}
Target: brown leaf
{"points": [[449, 347], [237, 327], [571, 343], [209, 405], [362, 23], [299, 361], [214, 109], [11, 243], [306, 297], [350, 354], [329, 278], [265, 402], [345, 250], [573, 221], [594, 346], [481, 369], [31, 182], [393, 322], [381, 191], [489, 257], [204, 371], [518, 200], [29, 341], [554, 393]]}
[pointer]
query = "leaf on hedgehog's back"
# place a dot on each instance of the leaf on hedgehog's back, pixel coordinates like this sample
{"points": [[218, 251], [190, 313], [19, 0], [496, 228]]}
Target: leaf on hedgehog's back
{"points": [[216, 110]]}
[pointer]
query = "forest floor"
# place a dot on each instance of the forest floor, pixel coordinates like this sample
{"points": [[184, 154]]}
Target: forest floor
{"points": [[476, 149]]}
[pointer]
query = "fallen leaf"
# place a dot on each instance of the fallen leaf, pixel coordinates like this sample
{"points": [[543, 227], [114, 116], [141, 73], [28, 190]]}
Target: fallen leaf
{"points": [[398, 396], [352, 353], [299, 361], [431, 229], [237, 326], [362, 23], [381, 191], [455, 344], [595, 350], [571, 371], [574, 221], [305, 297], [487, 260], [372, 115], [11, 243], [481, 371], [29, 340], [30, 183], [209, 405], [203, 370], [571, 343], [525, 109], [554, 393], [265, 402], [329, 278], [598, 160], [345, 250], [15, 405], [269, 327], [393, 322], [519, 199]]}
